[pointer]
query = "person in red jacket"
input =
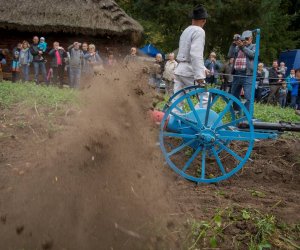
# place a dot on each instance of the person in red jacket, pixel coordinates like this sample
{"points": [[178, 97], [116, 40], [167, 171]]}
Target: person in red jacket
{"points": [[57, 63]]}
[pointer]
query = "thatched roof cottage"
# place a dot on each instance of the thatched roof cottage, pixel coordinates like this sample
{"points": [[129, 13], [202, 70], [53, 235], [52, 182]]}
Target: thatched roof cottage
{"points": [[102, 22]]}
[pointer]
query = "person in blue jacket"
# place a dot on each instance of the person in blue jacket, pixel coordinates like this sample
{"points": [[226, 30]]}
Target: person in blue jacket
{"points": [[43, 45], [288, 79], [297, 74], [15, 67], [294, 92], [214, 66]]}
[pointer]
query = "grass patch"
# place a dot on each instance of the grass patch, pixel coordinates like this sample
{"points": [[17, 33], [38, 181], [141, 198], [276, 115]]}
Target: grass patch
{"points": [[269, 113], [30, 94], [242, 228]]}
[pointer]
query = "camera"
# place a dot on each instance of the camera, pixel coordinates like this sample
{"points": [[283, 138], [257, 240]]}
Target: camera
{"points": [[236, 37]]}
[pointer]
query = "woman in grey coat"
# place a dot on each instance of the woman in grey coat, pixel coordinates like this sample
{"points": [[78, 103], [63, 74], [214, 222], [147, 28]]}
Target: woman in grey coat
{"points": [[94, 62]]}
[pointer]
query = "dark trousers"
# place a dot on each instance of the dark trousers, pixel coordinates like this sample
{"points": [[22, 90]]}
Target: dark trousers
{"points": [[226, 86], [211, 80], [169, 87], [74, 77], [242, 81], [25, 72], [293, 101], [58, 75], [273, 96], [282, 101], [1, 74], [15, 76], [37, 67]]}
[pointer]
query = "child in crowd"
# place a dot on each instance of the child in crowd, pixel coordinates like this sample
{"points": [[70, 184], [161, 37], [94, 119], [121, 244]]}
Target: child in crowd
{"points": [[111, 61], [157, 70], [283, 91], [15, 67], [42, 44], [282, 69]]}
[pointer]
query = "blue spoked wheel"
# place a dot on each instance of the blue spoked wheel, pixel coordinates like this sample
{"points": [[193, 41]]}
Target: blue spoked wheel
{"points": [[200, 102], [199, 136]]}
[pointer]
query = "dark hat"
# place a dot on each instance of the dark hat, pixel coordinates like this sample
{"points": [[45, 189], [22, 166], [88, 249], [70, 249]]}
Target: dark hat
{"points": [[199, 13]]}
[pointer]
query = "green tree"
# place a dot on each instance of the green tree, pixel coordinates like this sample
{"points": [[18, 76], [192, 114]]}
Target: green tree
{"points": [[164, 22]]}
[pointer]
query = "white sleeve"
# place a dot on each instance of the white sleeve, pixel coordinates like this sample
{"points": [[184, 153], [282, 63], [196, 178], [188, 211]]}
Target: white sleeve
{"points": [[196, 53]]}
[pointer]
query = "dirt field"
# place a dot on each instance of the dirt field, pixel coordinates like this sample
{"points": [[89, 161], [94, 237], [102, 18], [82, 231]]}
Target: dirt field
{"points": [[100, 182]]}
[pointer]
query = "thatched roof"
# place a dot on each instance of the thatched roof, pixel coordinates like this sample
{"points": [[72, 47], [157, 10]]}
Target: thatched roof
{"points": [[89, 17]]}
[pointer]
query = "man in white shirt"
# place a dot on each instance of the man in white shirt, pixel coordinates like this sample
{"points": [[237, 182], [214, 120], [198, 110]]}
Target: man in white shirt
{"points": [[168, 75], [191, 69]]}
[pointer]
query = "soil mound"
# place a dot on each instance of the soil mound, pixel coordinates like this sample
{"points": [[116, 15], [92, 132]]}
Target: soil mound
{"points": [[98, 185], [101, 183]]}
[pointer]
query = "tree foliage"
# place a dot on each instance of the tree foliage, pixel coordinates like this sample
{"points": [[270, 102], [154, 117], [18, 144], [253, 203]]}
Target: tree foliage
{"points": [[164, 21]]}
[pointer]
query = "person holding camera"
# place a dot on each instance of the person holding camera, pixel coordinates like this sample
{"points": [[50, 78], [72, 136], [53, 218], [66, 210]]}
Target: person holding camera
{"points": [[57, 64], [214, 66], [75, 55], [243, 52], [93, 61], [131, 58]]}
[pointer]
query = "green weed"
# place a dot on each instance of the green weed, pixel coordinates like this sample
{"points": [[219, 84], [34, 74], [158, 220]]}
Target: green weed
{"points": [[259, 231], [269, 113], [258, 193], [208, 231]]}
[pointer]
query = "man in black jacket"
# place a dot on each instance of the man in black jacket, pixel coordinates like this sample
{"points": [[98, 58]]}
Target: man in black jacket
{"points": [[38, 61], [273, 78], [3, 54]]}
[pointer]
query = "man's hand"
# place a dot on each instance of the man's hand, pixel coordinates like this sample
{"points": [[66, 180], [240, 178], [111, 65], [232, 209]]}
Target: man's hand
{"points": [[201, 82], [207, 72], [240, 43]]}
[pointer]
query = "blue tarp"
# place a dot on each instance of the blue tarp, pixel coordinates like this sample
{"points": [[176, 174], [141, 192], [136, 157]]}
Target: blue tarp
{"points": [[291, 59], [150, 50]]}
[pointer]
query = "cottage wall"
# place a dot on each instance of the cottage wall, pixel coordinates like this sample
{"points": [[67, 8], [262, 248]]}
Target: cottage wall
{"points": [[120, 46]]}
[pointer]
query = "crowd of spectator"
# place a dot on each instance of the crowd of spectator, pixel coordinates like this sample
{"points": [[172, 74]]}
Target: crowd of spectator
{"points": [[274, 85], [78, 60]]}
